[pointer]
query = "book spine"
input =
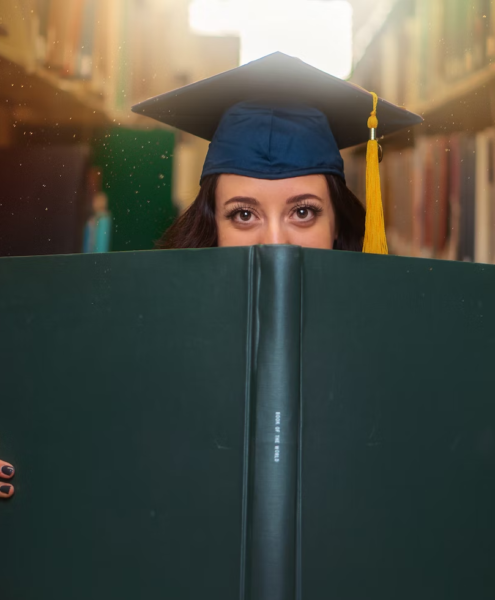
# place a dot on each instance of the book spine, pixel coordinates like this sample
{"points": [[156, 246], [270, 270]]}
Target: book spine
{"points": [[275, 425]]}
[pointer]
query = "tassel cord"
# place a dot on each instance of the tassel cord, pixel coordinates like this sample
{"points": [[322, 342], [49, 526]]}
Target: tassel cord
{"points": [[375, 240]]}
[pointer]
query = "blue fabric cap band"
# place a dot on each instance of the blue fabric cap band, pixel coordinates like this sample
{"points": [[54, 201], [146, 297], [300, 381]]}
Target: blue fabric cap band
{"points": [[273, 142]]}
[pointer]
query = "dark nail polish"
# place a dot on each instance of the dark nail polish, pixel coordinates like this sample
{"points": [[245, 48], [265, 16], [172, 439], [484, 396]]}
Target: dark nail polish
{"points": [[8, 471], [5, 489]]}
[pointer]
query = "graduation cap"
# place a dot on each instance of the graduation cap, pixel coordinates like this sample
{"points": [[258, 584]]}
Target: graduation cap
{"points": [[278, 117]]}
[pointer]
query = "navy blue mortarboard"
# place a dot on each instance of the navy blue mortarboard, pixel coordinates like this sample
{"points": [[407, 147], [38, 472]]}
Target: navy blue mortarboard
{"points": [[278, 117], [273, 142]]}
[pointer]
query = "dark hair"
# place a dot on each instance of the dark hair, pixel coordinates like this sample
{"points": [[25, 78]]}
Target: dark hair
{"points": [[197, 228]]}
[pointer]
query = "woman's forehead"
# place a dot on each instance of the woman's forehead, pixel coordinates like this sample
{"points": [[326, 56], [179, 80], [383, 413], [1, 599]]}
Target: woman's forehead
{"points": [[232, 185]]}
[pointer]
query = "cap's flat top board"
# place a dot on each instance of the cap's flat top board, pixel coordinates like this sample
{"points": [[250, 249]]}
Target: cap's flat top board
{"points": [[197, 108], [398, 429], [122, 407]]}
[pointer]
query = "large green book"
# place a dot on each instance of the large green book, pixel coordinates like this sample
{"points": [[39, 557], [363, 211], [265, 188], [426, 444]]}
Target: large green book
{"points": [[265, 423]]}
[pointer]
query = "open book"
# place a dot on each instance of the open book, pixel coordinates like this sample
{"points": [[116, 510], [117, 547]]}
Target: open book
{"points": [[265, 423]]}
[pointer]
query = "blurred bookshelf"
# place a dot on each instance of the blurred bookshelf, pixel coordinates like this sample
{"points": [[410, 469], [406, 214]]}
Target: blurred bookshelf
{"points": [[70, 70], [104, 56], [437, 59]]}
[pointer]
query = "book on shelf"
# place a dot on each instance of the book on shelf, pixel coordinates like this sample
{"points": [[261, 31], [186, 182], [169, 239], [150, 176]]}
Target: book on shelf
{"points": [[39, 22], [485, 196], [57, 34], [85, 56], [72, 39], [467, 196], [264, 423], [398, 189], [15, 34]]}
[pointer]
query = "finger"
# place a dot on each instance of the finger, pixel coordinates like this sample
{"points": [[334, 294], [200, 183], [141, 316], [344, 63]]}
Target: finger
{"points": [[6, 470], [6, 490]]}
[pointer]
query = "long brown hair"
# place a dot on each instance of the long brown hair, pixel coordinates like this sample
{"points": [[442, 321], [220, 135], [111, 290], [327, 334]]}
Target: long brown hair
{"points": [[197, 228]]}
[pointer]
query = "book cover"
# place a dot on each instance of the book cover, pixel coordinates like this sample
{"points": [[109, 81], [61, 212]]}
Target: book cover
{"points": [[265, 423]]}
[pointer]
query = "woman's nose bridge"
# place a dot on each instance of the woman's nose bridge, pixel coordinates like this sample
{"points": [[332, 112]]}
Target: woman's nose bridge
{"points": [[275, 232]]}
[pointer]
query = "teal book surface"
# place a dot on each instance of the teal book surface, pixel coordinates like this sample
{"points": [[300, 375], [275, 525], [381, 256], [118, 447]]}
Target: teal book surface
{"points": [[266, 423], [122, 407], [398, 442]]}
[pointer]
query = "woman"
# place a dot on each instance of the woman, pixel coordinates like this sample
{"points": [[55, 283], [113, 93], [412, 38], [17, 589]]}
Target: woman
{"points": [[273, 173]]}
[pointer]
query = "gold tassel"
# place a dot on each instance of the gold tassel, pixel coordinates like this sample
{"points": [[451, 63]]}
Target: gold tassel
{"points": [[375, 240]]}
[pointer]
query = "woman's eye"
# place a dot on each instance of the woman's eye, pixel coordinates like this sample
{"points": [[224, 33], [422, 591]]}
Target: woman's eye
{"points": [[244, 215], [305, 213]]}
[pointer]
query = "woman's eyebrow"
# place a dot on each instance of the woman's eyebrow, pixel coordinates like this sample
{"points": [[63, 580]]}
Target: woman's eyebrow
{"points": [[300, 197], [242, 200], [254, 202]]}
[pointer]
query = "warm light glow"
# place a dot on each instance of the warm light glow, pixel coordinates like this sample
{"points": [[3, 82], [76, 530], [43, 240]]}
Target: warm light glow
{"points": [[317, 31], [216, 17]]}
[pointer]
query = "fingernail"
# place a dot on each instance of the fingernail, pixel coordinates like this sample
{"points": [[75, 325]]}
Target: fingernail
{"points": [[5, 489], [8, 471]]}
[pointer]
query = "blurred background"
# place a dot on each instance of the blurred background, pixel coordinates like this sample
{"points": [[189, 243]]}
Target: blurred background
{"points": [[80, 172]]}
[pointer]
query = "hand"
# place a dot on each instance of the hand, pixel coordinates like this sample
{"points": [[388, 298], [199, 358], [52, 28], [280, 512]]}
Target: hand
{"points": [[6, 472]]}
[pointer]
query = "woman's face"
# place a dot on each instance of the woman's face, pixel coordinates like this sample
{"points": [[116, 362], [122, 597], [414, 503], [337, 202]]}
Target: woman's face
{"points": [[294, 211]]}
